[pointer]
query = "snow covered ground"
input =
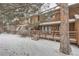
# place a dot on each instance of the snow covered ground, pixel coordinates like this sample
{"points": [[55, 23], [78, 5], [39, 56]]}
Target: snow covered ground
{"points": [[15, 45]]}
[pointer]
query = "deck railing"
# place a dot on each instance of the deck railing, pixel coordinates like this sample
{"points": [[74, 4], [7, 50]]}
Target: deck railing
{"points": [[72, 34], [53, 34]]}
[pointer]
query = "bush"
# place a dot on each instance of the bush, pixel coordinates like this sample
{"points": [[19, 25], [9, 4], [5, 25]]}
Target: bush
{"points": [[23, 33]]}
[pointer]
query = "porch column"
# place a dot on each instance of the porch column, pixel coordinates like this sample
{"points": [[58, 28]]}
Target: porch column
{"points": [[77, 30]]}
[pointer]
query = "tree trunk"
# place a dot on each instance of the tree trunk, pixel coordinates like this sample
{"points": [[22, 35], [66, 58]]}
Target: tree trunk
{"points": [[1, 26], [64, 29]]}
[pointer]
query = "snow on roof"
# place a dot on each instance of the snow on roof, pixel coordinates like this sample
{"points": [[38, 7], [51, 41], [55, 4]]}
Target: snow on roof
{"points": [[71, 3], [47, 6], [51, 6]]}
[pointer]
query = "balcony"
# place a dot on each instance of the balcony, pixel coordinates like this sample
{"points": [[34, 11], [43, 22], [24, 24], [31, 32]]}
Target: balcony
{"points": [[54, 22]]}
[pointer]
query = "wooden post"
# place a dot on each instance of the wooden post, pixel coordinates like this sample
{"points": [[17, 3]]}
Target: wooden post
{"points": [[77, 31], [64, 29]]}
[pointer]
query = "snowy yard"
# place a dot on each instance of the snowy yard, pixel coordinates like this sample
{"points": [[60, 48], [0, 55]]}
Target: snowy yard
{"points": [[15, 45]]}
